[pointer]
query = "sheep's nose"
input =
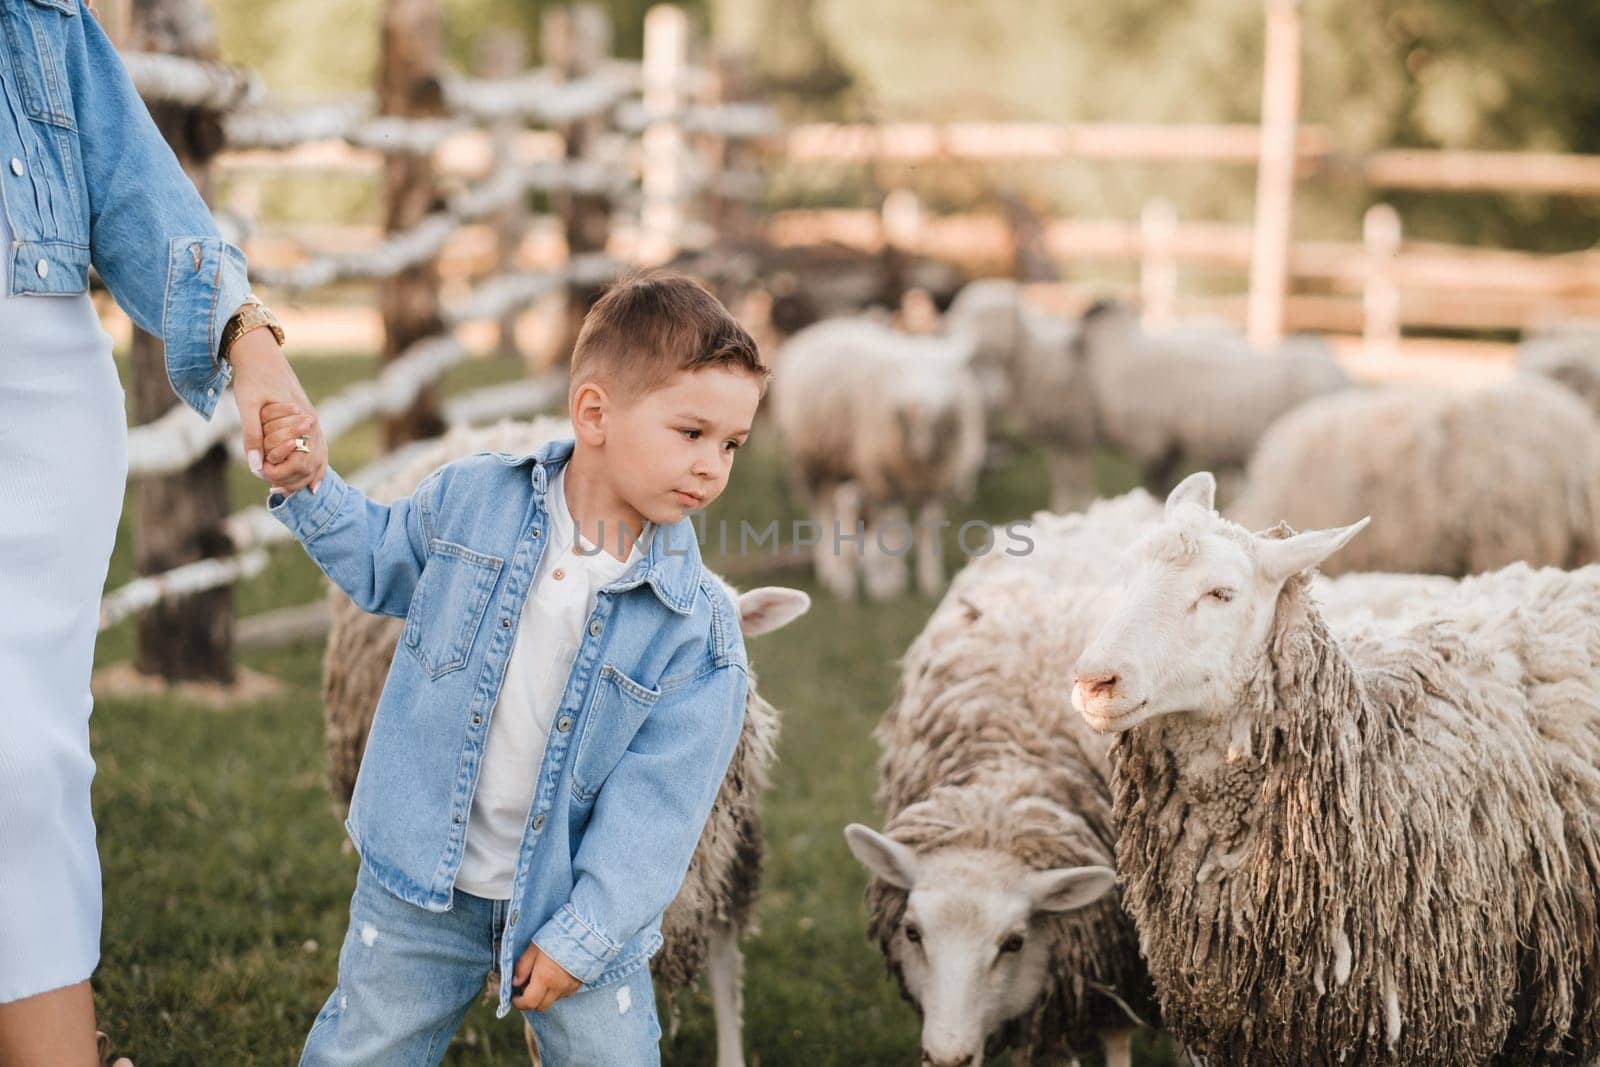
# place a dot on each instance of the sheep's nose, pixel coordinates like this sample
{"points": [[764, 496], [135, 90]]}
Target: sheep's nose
{"points": [[1099, 683], [929, 1060]]}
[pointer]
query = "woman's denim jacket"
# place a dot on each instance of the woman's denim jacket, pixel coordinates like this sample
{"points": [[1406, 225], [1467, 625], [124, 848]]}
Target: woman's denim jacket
{"points": [[86, 178], [641, 740]]}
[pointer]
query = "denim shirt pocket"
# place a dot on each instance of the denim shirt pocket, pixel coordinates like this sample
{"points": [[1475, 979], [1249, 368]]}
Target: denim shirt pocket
{"points": [[616, 711], [447, 606], [36, 35]]}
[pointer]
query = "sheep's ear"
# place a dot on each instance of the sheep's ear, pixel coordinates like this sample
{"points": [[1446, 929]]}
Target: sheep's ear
{"points": [[883, 856], [1279, 559], [769, 608], [1199, 488], [1068, 888]]}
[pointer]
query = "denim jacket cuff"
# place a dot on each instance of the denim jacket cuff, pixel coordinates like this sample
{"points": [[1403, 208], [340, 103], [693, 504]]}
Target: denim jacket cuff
{"points": [[305, 513], [580, 949], [206, 283]]}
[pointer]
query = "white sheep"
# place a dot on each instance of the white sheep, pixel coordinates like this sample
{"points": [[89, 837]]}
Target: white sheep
{"points": [[1460, 481], [1373, 842], [1573, 359], [715, 908], [999, 836], [1192, 397], [1032, 381], [881, 431]]}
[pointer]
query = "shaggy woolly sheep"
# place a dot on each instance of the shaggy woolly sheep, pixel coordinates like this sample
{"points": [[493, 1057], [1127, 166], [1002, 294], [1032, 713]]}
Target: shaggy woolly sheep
{"points": [[1573, 359], [1195, 397], [1461, 482], [1032, 382], [1375, 842], [715, 908], [878, 427], [999, 834]]}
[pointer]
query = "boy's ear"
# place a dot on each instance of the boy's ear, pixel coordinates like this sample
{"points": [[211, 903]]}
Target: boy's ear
{"points": [[589, 406]]}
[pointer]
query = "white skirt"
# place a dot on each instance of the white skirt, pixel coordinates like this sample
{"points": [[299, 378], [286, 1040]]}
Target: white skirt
{"points": [[63, 465]]}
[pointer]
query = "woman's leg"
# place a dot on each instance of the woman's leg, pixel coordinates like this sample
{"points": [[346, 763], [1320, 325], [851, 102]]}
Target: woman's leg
{"points": [[50, 1029]]}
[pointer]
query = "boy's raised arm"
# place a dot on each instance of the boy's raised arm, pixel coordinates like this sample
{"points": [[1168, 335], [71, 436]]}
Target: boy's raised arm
{"points": [[647, 821], [374, 552]]}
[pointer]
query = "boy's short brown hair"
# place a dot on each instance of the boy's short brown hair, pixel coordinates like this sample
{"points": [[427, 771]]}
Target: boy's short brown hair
{"points": [[648, 327]]}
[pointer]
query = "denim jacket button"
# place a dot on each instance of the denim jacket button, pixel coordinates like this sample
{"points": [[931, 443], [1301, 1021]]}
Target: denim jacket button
{"points": [[505, 624], [536, 535], [538, 821], [43, 268], [476, 719], [16, 166], [594, 628], [515, 915], [564, 723], [456, 820]]}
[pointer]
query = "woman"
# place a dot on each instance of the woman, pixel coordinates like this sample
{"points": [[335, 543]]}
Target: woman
{"points": [[86, 179]]}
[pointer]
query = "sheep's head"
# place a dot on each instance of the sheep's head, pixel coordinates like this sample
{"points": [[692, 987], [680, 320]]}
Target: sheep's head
{"points": [[1195, 615], [990, 311], [971, 948]]}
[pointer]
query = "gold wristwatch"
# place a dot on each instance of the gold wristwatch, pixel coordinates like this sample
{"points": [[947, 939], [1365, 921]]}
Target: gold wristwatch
{"points": [[251, 315]]}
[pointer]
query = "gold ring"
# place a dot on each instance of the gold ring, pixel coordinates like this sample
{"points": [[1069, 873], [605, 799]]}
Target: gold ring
{"points": [[302, 444]]}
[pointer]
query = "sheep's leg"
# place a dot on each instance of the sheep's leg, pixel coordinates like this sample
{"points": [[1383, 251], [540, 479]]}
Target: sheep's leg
{"points": [[835, 570], [1119, 1047], [725, 972], [533, 1044], [889, 540], [1072, 482], [930, 549]]}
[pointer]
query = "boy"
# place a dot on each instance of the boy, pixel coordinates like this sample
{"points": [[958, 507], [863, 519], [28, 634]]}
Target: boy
{"points": [[563, 703]]}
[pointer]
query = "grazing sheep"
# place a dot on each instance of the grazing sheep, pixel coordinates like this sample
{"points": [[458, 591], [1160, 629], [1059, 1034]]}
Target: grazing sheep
{"points": [[999, 833], [1460, 482], [1033, 384], [1196, 397], [879, 429], [715, 908], [1573, 359], [1373, 842]]}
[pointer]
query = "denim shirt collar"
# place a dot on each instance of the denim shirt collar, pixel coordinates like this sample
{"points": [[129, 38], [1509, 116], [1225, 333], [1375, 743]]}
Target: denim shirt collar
{"points": [[671, 565]]}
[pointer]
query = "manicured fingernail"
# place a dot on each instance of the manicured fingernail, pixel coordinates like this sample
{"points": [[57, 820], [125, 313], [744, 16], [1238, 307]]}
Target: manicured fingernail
{"points": [[253, 458]]}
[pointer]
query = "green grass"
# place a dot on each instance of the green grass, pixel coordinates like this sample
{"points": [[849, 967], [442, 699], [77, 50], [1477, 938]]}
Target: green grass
{"points": [[227, 881]]}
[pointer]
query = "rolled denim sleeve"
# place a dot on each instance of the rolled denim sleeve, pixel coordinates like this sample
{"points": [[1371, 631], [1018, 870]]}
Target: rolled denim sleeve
{"points": [[374, 552], [646, 822], [151, 236]]}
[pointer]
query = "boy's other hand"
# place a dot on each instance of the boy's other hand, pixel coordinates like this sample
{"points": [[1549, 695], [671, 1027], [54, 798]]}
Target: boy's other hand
{"points": [[542, 980], [285, 465]]}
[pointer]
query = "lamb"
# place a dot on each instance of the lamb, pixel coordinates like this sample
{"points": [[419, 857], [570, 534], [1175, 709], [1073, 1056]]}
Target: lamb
{"points": [[1462, 482], [1572, 359], [1374, 842], [715, 908], [1031, 381], [999, 835], [878, 427], [1192, 398]]}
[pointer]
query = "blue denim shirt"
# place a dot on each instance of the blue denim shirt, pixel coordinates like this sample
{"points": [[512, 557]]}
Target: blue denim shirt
{"points": [[86, 178], [641, 740]]}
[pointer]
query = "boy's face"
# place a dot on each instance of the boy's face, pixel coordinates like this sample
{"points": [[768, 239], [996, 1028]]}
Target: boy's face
{"points": [[670, 451]]}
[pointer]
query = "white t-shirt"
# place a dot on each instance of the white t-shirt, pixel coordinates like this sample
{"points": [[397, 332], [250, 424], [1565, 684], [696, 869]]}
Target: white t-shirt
{"points": [[553, 617]]}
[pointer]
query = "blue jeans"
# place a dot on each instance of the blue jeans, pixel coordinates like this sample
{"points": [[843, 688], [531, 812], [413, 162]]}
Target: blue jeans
{"points": [[407, 977]]}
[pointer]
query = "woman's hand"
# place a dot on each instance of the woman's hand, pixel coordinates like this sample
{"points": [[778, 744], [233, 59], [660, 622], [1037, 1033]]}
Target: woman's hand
{"points": [[261, 375]]}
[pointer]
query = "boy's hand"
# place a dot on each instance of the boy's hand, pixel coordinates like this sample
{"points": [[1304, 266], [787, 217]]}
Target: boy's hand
{"points": [[542, 980], [286, 466]]}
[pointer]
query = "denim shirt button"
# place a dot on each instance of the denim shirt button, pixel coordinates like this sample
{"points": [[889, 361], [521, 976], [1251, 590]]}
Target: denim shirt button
{"points": [[456, 819], [514, 916], [536, 535], [476, 719], [538, 821], [505, 624], [564, 723], [16, 166], [43, 268], [594, 628]]}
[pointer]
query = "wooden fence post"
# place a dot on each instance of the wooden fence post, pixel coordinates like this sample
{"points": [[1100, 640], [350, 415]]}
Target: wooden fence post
{"points": [[1280, 110], [1380, 295], [1158, 264], [576, 41], [179, 515], [666, 62], [504, 55], [410, 84]]}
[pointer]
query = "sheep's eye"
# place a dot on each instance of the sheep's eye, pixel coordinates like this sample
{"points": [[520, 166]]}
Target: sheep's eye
{"points": [[913, 935], [1012, 944], [1222, 594]]}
